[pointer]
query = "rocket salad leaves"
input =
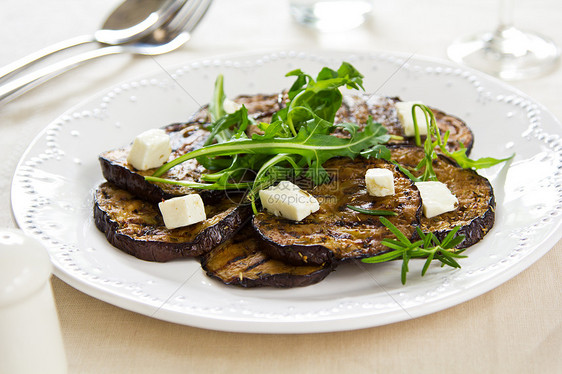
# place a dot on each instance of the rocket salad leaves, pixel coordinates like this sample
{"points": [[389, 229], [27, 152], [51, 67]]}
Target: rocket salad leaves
{"points": [[298, 137]]}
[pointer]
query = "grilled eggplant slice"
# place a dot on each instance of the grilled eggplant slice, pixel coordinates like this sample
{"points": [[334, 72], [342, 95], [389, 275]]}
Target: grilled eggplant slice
{"points": [[136, 226], [335, 232], [358, 108], [476, 209], [240, 261]]}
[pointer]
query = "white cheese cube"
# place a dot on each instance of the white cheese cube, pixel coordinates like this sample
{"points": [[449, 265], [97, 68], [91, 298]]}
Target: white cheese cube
{"points": [[404, 111], [182, 211], [379, 182], [150, 149], [230, 106], [436, 198], [289, 201]]}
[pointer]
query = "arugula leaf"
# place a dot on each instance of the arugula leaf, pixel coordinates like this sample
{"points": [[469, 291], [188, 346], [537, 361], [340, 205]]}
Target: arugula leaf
{"points": [[352, 75], [320, 97], [465, 162], [346, 74]]}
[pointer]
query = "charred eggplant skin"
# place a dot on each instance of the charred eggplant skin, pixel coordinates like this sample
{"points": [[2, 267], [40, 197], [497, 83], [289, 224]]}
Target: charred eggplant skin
{"points": [[131, 181], [476, 230], [297, 254], [136, 227], [336, 233], [241, 262]]}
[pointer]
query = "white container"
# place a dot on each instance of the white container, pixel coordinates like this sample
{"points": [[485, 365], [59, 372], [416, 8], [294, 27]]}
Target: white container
{"points": [[30, 336], [331, 15]]}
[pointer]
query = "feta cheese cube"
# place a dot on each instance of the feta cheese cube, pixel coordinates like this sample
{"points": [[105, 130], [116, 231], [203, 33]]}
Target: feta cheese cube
{"points": [[379, 182], [404, 111], [289, 201], [436, 198], [150, 149], [182, 211], [230, 106]]}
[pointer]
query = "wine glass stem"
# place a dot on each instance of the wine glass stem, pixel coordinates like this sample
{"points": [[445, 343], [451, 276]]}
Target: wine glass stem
{"points": [[506, 14]]}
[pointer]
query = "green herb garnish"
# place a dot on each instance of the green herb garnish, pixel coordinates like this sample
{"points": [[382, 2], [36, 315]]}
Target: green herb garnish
{"points": [[299, 136], [373, 212], [428, 247], [433, 141]]}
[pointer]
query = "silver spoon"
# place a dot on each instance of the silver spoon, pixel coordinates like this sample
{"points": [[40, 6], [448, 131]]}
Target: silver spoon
{"points": [[167, 38], [130, 21]]}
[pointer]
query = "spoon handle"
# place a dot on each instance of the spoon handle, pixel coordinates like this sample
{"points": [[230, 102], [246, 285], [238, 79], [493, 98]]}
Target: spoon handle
{"points": [[18, 86], [22, 64]]}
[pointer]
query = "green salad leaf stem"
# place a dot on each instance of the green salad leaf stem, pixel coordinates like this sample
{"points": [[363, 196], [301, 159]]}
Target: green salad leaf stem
{"points": [[216, 106], [203, 186], [435, 141]]}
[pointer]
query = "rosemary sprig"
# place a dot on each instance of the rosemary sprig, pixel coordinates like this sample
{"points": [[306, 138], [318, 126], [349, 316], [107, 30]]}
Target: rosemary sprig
{"points": [[373, 212], [428, 247]]}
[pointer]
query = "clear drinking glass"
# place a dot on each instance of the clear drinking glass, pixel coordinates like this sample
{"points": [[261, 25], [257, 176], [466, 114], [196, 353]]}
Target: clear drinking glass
{"points": [[331, 15], [506, 52]]}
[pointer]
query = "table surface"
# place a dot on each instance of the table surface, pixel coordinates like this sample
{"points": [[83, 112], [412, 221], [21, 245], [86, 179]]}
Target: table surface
{"points": [[517, 327]]}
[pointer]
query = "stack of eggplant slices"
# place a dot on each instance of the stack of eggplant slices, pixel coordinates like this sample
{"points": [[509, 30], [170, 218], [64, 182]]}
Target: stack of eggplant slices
{"points": [[279, 189]]}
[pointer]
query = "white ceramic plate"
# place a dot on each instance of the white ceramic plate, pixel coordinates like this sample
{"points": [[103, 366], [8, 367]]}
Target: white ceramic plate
{"points": [[53, 185]]}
